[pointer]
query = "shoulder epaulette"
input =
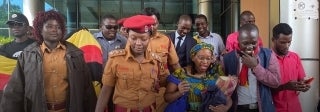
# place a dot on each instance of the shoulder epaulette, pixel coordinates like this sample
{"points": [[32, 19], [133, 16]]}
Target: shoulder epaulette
{"points": [[117, 52]]}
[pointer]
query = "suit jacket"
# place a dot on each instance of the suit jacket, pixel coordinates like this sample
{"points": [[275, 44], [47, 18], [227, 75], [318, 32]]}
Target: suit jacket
{"points": [[184, 51]]}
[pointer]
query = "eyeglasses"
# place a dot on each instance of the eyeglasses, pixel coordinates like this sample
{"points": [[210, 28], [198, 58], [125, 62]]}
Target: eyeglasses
{"points": [[250, 21], [111, 26], [203, 58], [13, 24]]}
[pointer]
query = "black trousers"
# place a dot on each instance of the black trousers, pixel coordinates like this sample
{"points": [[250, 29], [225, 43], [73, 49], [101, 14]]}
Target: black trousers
{"points": [[1, 93], [318, 107], [246, 108]]}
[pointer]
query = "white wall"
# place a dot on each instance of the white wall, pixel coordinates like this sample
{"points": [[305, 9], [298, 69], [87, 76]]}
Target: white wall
{"points": [[303, 17]]}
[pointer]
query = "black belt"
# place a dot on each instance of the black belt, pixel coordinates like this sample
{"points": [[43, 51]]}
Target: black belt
{"points": [[252, 106], [58, 106]]}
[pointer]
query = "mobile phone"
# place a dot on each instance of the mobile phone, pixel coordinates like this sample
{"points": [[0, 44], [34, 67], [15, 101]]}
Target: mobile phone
{"points": [[309, 80]]}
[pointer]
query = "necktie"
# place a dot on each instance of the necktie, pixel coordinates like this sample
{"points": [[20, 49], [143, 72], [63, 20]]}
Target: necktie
{"points": [[178, 44], [243, 77]]}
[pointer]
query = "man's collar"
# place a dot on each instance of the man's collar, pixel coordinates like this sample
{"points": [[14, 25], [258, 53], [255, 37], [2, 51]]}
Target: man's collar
{"points": [[210, 35], [177, 35], [100, 35], [281, 56]]}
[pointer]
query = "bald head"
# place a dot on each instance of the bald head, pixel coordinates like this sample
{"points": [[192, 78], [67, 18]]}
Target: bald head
{"points": [[248, 38], [246, 13], [248, 30], [184, 18], [247, 17]]}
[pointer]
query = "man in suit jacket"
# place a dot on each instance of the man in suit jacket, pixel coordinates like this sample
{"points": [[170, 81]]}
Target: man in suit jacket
{"points": [[182, 41]]}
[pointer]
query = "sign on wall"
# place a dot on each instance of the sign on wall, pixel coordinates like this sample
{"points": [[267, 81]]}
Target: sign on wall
{"points": [[306, 9]]}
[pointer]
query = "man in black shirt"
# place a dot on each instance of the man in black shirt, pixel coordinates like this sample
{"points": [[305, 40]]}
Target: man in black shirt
{"points": [[20, 30]]}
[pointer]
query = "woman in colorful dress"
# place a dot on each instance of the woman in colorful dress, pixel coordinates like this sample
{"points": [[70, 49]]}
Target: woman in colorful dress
{"points": [[187, 87]]}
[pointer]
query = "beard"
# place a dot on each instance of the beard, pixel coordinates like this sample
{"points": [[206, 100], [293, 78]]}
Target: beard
{"points": [[282, 52]]}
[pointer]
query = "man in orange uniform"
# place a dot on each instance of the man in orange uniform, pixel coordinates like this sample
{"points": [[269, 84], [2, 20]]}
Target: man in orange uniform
{"points": [[163, 46], [133, 72]]}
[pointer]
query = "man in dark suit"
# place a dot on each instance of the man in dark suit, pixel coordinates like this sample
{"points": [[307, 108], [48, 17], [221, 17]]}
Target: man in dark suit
{"points": [[182, 40]]}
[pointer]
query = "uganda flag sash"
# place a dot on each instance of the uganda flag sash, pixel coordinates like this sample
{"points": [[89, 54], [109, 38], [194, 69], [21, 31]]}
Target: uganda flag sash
{"points": [[85, 41], [7, 66]]}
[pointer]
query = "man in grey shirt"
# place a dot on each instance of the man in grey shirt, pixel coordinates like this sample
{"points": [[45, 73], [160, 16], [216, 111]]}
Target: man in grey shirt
{"points": [[108, 37], [109, 40]]}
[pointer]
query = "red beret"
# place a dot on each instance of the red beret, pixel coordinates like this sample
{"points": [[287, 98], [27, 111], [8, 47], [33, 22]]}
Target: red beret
{"points": [[139, 23], [121, 21]]}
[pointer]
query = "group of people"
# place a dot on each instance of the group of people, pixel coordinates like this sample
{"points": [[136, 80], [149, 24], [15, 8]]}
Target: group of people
{"points": [[148, 71]]}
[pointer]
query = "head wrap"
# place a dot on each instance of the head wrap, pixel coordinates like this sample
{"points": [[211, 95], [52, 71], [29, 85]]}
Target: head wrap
{"points": [[200, 46]]}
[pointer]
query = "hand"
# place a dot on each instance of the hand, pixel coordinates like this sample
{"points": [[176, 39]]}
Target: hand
{"points": [[296, 86], [183, 87], [219, 108], [224, 52], [306, 87], [250, 61]]}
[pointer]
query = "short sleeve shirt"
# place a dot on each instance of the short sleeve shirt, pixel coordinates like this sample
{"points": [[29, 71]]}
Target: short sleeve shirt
{"points": [[14, 49], [291, 69]]}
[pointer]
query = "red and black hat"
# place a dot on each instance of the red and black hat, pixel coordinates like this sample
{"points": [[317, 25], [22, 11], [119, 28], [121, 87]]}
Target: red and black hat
{"points": [[139, 23]]}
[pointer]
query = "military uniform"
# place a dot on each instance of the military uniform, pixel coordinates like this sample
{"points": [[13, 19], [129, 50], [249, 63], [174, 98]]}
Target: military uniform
{"points": [[136, 84], [163, 46]]}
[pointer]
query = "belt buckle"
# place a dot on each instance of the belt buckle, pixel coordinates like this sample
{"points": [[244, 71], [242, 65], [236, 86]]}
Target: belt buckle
{"points": [[253, 106], [52, 107]]}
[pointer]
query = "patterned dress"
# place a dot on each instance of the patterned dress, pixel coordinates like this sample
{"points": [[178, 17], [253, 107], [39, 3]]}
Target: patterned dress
{"points": [[197, 84]]}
